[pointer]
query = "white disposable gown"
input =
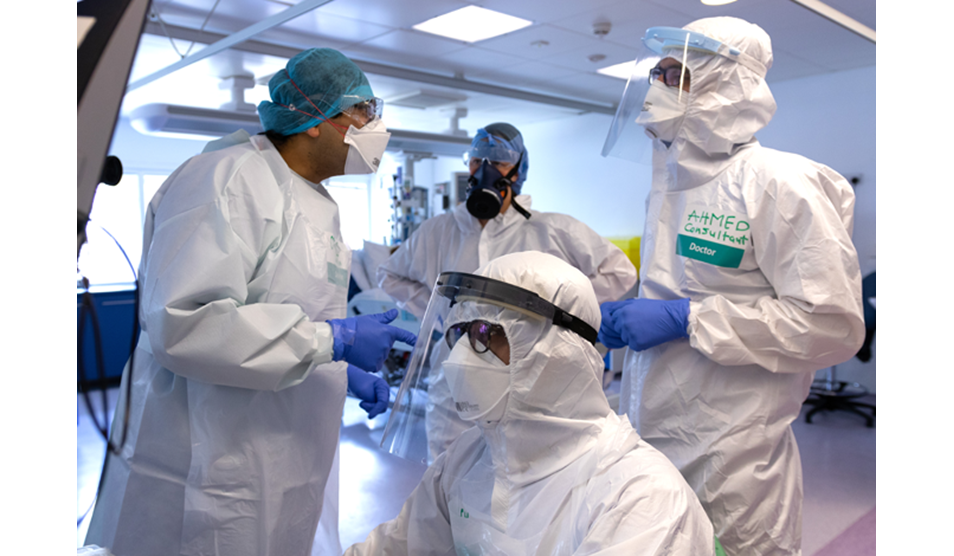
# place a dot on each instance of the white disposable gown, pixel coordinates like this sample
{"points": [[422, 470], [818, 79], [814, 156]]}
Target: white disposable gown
{"points": [[455, 242], [559, 473], [236, 406], [760, 241]]}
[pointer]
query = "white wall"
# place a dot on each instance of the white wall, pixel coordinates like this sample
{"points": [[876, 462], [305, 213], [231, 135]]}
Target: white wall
{"points": [[828, 118]]}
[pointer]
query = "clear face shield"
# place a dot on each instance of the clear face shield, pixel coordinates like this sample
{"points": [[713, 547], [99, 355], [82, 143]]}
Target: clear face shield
{"points": [[657, 93], [459, 332]]}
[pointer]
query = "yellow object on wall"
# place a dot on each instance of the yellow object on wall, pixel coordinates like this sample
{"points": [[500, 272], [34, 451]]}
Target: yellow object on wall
{"points": [[629, 246]]}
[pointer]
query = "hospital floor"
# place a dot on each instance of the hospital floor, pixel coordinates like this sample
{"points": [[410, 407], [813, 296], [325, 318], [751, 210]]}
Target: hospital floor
{"points": [[837, 450]]}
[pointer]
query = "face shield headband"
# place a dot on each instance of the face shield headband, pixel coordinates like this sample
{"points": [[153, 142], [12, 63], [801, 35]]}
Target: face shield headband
{"points": [[458, 286]]}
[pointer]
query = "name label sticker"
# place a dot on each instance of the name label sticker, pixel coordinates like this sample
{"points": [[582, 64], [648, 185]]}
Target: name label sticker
{"points": [[713, 237]]}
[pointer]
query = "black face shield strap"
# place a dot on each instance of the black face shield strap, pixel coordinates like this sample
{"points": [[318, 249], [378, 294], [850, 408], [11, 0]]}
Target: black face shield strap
{"points": [[454, 285]]}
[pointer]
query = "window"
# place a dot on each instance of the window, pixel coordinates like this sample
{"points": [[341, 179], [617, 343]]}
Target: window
{"points": [[110, 257], [351, 194]]}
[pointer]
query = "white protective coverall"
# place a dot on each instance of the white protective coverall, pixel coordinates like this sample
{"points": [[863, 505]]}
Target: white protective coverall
{"points": [[236, 405], [719, 404], [559, 473], [455, 242]]}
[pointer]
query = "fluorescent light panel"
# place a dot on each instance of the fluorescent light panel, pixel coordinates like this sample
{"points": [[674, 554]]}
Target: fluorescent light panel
{"points": [[472, 24]]}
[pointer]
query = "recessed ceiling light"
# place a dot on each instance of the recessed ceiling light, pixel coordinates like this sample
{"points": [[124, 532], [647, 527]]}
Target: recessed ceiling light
{"points": [[717, 2], [472, 24]]}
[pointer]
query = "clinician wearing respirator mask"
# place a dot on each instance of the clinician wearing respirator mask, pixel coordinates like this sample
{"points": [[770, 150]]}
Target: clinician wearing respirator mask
{"points": [[245, 356], [495, 220]]}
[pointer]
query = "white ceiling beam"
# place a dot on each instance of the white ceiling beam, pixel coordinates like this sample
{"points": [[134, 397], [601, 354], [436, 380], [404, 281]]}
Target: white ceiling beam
{"points": [[838, 18]]}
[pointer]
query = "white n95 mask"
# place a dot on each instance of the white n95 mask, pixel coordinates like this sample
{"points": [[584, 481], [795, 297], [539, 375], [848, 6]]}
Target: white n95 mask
{"points": [[366, 147], [479, 383], [663, 111]]}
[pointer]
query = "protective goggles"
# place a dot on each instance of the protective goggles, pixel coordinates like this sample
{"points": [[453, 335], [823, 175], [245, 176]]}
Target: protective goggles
{"points": [[364, 110], [494, 150], [501, 165], [675, 75], [483, 335]]}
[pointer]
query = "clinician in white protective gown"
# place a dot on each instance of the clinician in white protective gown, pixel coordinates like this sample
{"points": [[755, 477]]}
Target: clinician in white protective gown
{"points": [[241, 370], [749, 284], [495, 220], [549, 469]]}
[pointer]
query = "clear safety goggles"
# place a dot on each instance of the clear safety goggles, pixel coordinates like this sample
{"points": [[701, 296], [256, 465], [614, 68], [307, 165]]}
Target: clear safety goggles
{"points": [[365, 110], [454, 295], [497, 153], [473, 163]]}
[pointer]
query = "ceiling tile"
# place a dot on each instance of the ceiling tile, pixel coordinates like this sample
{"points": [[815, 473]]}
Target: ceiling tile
{"points": [[543, 11], [474, 59], [629, 21], [526, 42], [579, 59], [415, 43], [392, 13]]}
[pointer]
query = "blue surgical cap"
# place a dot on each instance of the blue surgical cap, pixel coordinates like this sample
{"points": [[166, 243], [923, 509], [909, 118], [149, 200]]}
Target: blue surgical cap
{"points": [[502, 142], [331, 82]]}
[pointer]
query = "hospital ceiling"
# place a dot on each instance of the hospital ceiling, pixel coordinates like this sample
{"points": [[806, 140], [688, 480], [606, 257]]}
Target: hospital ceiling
{"points": [[545, 71]]}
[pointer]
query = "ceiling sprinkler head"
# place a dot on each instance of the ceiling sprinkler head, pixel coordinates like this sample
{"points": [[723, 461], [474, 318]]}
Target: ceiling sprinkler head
{"points": [[601, 27], [596, 58]]}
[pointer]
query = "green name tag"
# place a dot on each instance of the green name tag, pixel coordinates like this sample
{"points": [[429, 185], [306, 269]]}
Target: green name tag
{"points": [[337, 275], [709, 251]]}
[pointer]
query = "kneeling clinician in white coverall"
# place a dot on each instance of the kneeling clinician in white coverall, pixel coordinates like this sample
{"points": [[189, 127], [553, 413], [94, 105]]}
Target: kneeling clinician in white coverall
{"points": [[496, 220], [749, 281], [245, 357], [549, 469]]}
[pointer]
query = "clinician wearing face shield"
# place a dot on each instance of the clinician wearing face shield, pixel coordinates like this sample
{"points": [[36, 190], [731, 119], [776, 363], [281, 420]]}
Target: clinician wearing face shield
{"points": [[749, 281], [244, 358], [549, 468], [495, 220]]}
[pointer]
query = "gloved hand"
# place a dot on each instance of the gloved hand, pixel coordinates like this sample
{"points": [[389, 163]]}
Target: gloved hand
{"points": [[643, 323], [371, 389], [608, 335], [366, 340]]}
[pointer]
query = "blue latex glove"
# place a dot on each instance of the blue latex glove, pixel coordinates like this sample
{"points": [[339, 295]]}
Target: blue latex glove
{"points": [[644, 323], [608, 335], [371, 389], [366, 340]]}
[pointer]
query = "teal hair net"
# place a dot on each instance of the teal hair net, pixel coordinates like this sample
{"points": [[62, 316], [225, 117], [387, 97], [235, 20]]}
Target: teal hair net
{"points": [[502, 142], [315, 85]]}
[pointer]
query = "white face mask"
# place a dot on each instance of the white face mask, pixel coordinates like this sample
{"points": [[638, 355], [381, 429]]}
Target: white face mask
{"points": [[479, 383], [366, 146], [663, 111]]}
